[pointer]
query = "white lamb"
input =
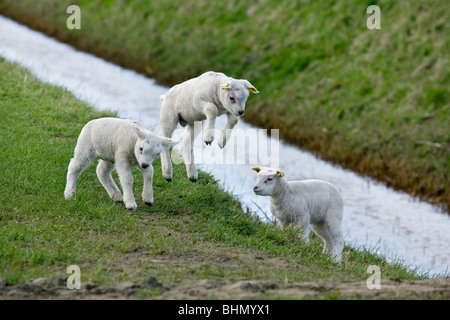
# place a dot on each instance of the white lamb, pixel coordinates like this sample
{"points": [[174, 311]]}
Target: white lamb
{"points": [[308, 204], [203, 98], [120, 144]]}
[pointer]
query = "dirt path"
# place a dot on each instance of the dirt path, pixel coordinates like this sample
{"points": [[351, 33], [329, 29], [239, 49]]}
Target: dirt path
{"points": [[220, 289]]}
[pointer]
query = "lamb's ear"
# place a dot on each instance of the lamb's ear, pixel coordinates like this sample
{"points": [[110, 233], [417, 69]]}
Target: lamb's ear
{"points": [[280, 173], [225, 86], [249, 86], [168, 142], [141, 134], [257, 169]]}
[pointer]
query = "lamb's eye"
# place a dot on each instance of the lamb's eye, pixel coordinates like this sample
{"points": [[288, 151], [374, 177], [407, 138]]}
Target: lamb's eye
{"points": [[268, 179], [232, 99]]}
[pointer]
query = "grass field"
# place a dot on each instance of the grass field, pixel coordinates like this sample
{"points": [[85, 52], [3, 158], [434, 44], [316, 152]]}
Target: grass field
{"points": [[192, 232], [374, 101]]}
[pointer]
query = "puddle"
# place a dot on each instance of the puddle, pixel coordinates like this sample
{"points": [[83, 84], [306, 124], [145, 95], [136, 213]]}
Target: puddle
{"points": [[374, 216]]}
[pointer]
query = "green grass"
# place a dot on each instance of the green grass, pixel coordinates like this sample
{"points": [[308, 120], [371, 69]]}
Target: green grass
{"points": [[192, 232], [374, 101]]}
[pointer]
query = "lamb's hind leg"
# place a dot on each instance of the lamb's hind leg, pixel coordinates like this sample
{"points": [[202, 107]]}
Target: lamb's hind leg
{"points": [[76, 166], [104, 170], [168, 125], [187, 144], [331, 234]]}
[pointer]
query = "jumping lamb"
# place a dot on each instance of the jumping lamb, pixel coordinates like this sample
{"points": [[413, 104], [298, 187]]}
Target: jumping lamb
{"points": [[310, 204], [120, 144], [203, 98]]}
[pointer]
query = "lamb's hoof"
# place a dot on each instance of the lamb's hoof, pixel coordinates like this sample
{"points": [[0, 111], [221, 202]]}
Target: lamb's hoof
{"points": [[168, 179], [193, 179], [221, 142], [209, 141], [69, 195], [131, 207], [149, 203]]}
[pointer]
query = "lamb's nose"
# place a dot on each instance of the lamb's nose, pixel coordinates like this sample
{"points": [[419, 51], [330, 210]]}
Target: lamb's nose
{"points": [[144, 166], [241, 113], [255, 188]]}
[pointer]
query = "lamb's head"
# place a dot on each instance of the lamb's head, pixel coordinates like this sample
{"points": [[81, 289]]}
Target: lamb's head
{"points": [[267, 181], [148, 147], [234, 94]]}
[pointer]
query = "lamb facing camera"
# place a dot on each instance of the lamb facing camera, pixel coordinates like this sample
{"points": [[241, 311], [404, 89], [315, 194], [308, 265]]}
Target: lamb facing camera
{"points": [[120, 144], [310, 204]]}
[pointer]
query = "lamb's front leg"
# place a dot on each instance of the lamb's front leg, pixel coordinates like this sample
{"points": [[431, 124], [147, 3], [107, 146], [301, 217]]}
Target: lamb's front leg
{"points": [[104, 170], [226, 132], [304, 228], [210, 111], [147, 193], [126, 180]]}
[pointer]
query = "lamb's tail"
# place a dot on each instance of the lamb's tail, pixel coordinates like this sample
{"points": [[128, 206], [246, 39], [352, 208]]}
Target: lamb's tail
{"points": [[161, 97]]}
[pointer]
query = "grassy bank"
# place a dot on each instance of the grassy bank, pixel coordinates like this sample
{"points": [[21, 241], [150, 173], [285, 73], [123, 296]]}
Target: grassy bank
{"points": [[374, 101], [192, 232]]}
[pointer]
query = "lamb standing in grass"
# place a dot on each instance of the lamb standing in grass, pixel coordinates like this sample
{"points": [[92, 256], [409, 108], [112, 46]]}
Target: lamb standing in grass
{"points": [[203, 98], [309, 204], [120, 144]]}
